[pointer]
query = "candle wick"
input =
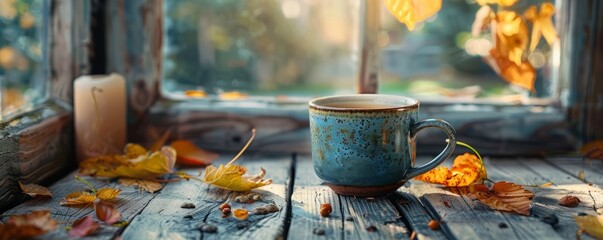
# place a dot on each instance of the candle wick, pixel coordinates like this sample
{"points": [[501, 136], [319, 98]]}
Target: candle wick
{"points": [[96, 112]]}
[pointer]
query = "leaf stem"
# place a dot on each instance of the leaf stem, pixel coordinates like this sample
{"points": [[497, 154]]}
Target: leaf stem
{"points": [[90, 187], [472, 149], [244, 148]]}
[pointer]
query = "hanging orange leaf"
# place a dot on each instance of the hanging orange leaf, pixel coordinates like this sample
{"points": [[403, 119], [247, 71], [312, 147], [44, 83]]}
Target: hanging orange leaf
{"points": [[106, 212], [136, 163], [189, 154], [503, 3], [195, 93], [107, 193], [466, 169], [504, 196], [26, 226], [592, 225], [542, 24], [410, 12], [83, 227], [78, 198], [233, 95], [523, 75], [147, 185], [35, 190], [230, 176]]}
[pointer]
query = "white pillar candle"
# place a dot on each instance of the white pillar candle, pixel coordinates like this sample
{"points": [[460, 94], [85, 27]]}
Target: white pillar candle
{"points": [[100, 115]]}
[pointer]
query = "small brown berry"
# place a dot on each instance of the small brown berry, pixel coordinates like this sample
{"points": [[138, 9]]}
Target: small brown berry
{"points": [[224, 205], [226, 211], [325, 209], [569, 201], [434, 225]]}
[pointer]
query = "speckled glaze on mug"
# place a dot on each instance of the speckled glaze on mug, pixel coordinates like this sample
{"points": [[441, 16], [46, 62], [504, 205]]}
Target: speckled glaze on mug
{"points": [[362, 144]]}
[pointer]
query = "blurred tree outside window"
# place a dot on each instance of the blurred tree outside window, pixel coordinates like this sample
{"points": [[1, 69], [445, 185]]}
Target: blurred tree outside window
{"points": [[310, 48], [22, 70]]}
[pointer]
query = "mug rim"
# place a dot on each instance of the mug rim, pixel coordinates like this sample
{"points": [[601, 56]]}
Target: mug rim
{"points": [[314, 103]]}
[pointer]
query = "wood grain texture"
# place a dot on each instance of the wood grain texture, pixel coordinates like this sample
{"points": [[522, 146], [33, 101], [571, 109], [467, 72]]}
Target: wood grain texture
{"points": [[592, 168], [163, 218], [130, 202], [416, 216]]}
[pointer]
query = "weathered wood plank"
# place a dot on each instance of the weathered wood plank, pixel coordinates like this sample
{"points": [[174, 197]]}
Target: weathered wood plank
{"points": [[130, 202], [593, 169], [163, 218], [416, 216], [352, 218], [460, 212]]}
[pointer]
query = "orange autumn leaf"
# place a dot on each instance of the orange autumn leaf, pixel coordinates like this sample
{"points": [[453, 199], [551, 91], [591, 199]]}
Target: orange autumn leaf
{"points": [[135, 163], [188, 153], [592, 225], [504, 196], [35, 190], [233, 95], [106, 212], [230, 176], [24, 226], [410, 12], [83, 227], [511, 36], [593, 150], [107, 193], [78, 198], [195, 93], [542, 24], [147, 185], [466, 169]]}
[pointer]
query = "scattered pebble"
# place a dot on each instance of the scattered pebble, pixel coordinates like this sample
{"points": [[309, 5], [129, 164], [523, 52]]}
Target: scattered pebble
{"points": [[187, 205], [319, 231], [349, 218], [550, 219], [503, 225], [325, 209], [260, 210], [256, 197], [208, 228], [242, 199], [371, 228], [188, 216], [272, 207], [434, 225]]}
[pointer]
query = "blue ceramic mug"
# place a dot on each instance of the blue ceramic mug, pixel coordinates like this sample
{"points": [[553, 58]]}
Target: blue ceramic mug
{"points": [[362, 145]]}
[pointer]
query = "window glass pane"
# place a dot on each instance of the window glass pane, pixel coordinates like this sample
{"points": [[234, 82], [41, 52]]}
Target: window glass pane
{"points": [[310, 48], [261, 47], [22, 69]]}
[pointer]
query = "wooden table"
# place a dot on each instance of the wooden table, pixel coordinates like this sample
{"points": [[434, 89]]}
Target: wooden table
{"points": [[299, 193]]}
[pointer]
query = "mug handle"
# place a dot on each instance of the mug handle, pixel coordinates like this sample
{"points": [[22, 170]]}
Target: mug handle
{"points": [[428, 123]]}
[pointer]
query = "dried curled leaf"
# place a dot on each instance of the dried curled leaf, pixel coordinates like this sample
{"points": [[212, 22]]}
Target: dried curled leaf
{"points": [[504, 196], [107, 193], [592, 225], [410, 12], [230, 176], [27, 225], [78, 198], [35, 190], [466, 169], [135, 163], [147, 185], [189, 154], [83, 227], [106, 212], [593, 150]]}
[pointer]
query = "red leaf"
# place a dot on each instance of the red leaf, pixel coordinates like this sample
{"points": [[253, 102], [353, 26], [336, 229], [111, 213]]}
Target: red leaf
{"points": [[84, 227], [106, 212], [189, 154]]}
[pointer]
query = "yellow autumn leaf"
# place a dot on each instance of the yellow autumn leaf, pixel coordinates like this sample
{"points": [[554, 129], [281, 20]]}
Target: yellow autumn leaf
{"points": [[230, 176], [147, 185], [592, 225], [466, 169], [107, 193], [542, 24], [523, 75], [410, 12], [78, 198], [136, 163], [511, 36]]}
